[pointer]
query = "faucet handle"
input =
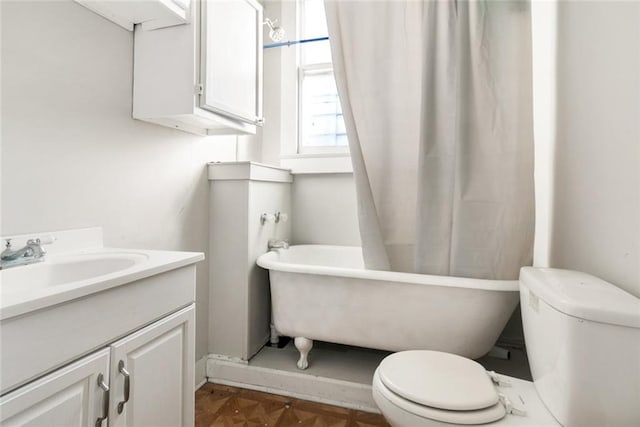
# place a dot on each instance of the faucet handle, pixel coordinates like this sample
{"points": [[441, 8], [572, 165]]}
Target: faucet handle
{"points": [[7, 244], [38, 242], [42, 240], [281, 216], [47, 239], [36, 247], [265, 217]]}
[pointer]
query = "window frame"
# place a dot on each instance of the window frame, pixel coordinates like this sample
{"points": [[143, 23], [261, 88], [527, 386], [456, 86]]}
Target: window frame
{"points": [[302, 71], [306, 71], [288, 134]]}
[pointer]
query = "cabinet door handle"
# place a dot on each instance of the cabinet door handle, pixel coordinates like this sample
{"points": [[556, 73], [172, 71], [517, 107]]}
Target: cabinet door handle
{"points": [[127, 385], [105, 400]]}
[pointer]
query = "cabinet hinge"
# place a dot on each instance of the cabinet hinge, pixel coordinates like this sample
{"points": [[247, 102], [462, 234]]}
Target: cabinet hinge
{"points": [[199, 89]]}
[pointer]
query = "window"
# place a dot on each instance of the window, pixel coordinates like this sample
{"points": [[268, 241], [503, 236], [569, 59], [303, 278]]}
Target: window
{"points": [[320, 122]]}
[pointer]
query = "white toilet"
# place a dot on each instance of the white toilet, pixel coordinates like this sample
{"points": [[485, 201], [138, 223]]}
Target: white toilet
{"points": [[583, 343]]}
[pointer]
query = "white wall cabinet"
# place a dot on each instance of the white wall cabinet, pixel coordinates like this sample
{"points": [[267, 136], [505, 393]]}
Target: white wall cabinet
{"points": [[144, 379], [150, 14], [204, 77]]}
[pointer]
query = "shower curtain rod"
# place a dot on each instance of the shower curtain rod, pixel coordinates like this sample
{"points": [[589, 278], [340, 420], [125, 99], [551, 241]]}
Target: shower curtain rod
{"points": [[289, 43]]}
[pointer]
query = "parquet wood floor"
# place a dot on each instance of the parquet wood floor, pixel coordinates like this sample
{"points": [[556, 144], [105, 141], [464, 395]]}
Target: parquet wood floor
{"points": [[223, 406]]}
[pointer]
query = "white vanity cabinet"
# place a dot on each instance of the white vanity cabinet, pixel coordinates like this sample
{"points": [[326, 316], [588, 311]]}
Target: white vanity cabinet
{"points": [[143, 379], [204, 77], [152, 374], [96, 336], [70, 396]]}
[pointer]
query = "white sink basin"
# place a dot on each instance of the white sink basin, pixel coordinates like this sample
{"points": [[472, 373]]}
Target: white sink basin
{"points": [[77, 273], [65, 269]]}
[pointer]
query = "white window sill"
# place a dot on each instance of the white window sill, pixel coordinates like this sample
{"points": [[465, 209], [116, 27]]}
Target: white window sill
{"points": [[317, 163]]}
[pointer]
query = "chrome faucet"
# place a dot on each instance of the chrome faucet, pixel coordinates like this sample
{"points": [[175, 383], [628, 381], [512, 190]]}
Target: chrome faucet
{"points": [[277, 244], [29, 254]]}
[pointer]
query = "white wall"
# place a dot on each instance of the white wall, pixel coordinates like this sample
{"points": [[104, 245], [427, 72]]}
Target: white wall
{"points": [[73, 157], [324, 210], [273, 94], [280, 130], [596, 221]]}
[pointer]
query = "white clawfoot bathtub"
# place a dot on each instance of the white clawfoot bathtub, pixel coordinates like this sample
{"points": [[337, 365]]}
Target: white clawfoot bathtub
{"points": [[324, 293]]}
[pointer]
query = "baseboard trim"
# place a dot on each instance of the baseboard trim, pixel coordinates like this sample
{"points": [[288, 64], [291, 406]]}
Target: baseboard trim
{"points": [[293, 384]]}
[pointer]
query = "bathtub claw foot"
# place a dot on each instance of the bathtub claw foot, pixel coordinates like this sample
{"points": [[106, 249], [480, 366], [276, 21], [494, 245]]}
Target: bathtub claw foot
{"points": [[304, 346]]}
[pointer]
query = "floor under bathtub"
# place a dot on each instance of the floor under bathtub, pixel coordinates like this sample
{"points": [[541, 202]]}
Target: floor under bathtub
{"points": [[337, 374]]}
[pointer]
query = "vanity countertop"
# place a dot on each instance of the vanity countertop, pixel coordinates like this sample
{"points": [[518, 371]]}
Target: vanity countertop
{"points": [[77, 266]]}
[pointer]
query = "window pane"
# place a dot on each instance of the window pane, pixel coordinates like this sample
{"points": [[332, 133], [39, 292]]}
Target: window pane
{"points": [[316, 53], [322, 122], [314, 25]]}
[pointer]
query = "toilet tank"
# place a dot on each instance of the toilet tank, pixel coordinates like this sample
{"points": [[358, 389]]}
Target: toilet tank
{"points": [[583, 343]]}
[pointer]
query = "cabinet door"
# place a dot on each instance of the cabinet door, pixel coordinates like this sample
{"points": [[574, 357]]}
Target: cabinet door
{"points": [[152, 374], [231, 58], [70, 396]]}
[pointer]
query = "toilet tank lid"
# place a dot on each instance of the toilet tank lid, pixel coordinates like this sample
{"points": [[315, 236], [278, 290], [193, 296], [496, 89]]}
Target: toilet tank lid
{"points": [[582, 295]]}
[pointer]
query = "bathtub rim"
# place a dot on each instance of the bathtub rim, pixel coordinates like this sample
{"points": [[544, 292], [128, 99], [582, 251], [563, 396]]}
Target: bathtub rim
{"points": [[270, 261]]}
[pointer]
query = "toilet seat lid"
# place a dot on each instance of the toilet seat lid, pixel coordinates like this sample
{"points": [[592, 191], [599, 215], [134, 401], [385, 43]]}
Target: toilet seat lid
{"points": [[481, 416], [439, 380]]}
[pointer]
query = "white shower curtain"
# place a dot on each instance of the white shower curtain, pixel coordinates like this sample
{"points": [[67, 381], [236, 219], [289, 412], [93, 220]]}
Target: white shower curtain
{"points": [[437, 102]]}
